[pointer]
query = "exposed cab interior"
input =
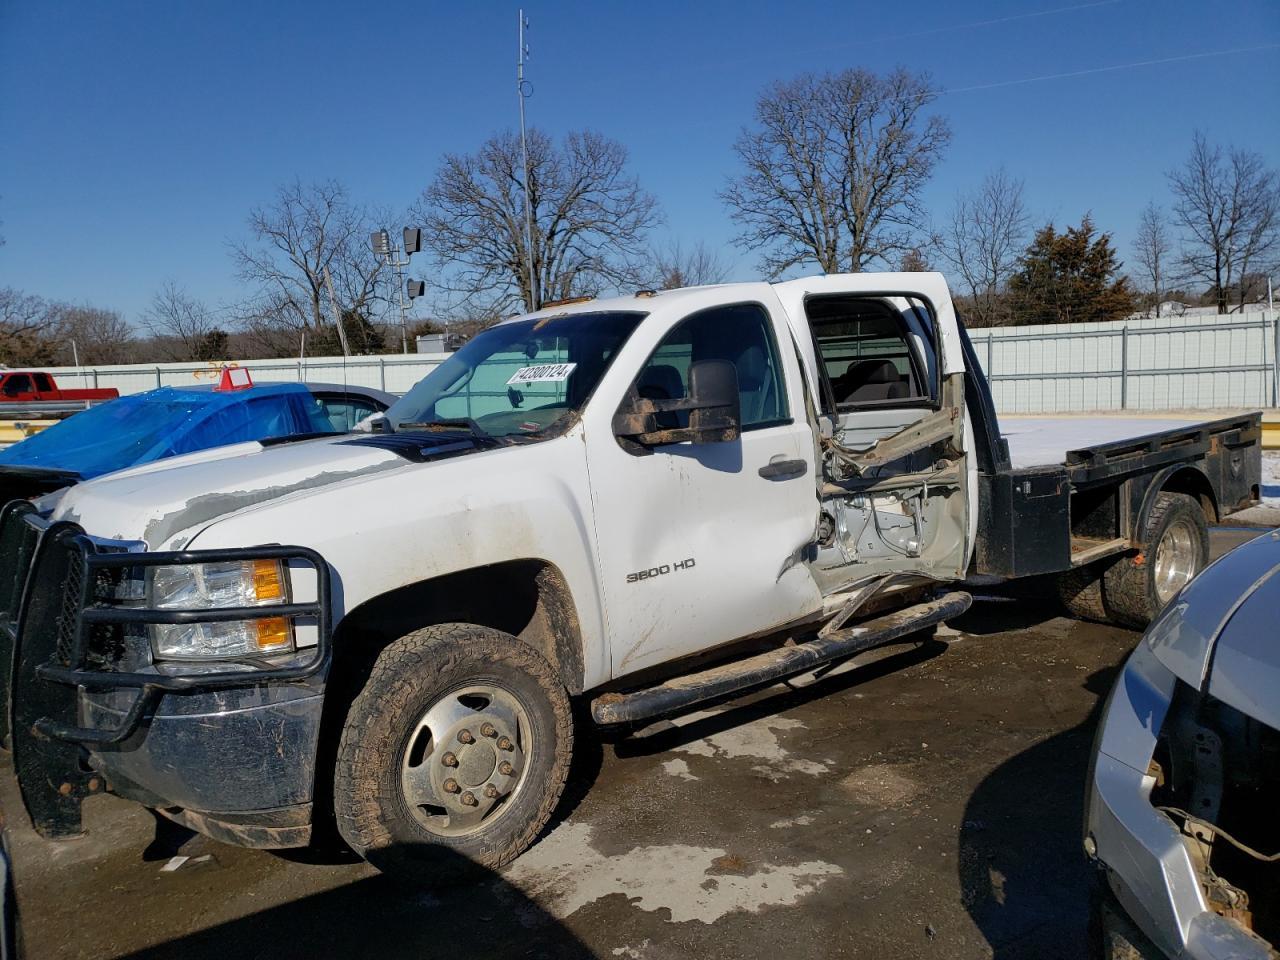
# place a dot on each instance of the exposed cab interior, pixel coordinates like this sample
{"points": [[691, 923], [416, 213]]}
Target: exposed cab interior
{"points": [[893, 443]]}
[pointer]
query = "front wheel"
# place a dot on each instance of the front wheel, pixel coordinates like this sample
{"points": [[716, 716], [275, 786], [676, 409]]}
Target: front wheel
{"points": [[1175, 547], [455, 751]]}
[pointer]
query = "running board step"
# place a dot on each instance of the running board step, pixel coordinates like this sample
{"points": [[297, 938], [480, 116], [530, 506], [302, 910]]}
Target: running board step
{"points": [[680, 692], [1084, 550]]}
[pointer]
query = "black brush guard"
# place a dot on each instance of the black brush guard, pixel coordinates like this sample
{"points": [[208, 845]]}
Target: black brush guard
{"points": [[51, 615]]}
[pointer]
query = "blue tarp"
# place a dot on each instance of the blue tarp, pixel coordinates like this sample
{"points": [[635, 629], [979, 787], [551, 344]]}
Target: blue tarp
{"points": [[143, 427]]}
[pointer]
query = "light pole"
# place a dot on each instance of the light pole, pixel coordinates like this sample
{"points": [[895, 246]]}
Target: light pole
{"points": [[398, 258], [75, 359], [523, 91]]}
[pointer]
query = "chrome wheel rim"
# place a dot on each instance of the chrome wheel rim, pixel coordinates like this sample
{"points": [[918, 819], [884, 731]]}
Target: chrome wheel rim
{"points": [[1177, 559], [465, 760]]}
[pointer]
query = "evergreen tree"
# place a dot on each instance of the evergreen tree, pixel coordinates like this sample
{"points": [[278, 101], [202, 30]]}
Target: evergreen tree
{"points": [[214, 345], [1070, 277], [363, 337]]}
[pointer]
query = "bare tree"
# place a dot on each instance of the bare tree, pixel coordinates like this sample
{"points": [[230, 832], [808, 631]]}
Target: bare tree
{"points": [[675, 266], [589, 220], [982, 243], [307, 229], [35, 331], [100, 335], [1228, 205], [26, 322], [183, 327], [914, 261], [834, 169], [1151, 249]]}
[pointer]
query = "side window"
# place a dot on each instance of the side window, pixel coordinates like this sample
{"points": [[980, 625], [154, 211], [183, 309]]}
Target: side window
{"points": [[43, 383], [867, 353], [345, 412], [741, 334]]}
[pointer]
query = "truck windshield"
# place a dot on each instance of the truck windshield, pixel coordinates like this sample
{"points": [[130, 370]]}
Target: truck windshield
{"points": [[519, 378]]}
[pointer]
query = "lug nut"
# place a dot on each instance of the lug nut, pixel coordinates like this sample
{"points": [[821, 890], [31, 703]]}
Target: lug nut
{"points": [[469, 799], [491, 791], [506, 769], [464, 736], [505, 744], [451, 786], [488, 730], [449, 760]]}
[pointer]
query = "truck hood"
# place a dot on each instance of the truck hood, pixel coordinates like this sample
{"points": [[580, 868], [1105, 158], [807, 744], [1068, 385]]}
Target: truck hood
{"points": [[167, 506], [1219, 634]]}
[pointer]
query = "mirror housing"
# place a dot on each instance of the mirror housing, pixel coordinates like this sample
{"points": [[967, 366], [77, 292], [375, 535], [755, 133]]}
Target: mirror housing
{"points": [[714, 407]]}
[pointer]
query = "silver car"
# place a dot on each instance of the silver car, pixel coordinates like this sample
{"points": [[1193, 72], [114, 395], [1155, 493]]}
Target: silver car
{"points": [[1183, 808]]}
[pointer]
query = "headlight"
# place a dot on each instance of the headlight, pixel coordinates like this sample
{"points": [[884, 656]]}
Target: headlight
{"points": [[202, 586]]}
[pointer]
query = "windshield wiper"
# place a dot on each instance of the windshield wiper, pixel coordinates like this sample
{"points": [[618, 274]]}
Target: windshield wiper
{"points": [[457, 423]]}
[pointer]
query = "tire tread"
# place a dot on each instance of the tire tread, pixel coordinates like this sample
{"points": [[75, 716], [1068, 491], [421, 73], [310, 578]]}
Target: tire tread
{"points": [[367, 740]]}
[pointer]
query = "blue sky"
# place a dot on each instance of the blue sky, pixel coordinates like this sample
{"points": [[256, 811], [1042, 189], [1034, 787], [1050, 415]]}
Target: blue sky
{"points": [[135, 136]]}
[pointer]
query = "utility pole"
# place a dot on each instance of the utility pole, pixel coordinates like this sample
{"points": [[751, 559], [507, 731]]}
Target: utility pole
{"points": [[337, 317], [523, 91], [75, 358]]}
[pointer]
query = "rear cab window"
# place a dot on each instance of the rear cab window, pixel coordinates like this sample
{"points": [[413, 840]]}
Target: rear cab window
{"points": [[874, 351]]}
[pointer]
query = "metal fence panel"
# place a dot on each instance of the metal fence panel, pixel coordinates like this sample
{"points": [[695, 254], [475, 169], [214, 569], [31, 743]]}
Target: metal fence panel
{"points": [[1148, 363], [393, 373]]}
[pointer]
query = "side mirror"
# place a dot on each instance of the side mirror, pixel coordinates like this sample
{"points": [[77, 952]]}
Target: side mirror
{"points": [[713, 405]]}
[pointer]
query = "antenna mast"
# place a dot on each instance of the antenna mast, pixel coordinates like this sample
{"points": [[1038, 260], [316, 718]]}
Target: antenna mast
{"points": [[524, 90]]}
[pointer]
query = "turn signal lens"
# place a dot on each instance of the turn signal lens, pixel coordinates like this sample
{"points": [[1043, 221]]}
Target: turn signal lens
{"points": [[267, 582], [274, 634]]}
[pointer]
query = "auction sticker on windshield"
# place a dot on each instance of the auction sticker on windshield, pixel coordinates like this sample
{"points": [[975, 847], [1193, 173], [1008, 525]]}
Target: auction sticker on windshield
{"points": [[542, 373]]}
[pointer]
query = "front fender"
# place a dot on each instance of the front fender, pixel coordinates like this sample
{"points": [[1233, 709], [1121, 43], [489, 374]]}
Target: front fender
{"points": [[407, 526]]}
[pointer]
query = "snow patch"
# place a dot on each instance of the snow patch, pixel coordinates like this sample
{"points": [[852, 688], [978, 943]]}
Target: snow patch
{"points": [[678, 768], [801, 821], [757, 740], [632, 953], [1271, 478], [564, 873]]}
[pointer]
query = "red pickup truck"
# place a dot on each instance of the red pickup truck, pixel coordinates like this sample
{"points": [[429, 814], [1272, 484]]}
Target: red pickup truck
{"points": [[21, 386]]}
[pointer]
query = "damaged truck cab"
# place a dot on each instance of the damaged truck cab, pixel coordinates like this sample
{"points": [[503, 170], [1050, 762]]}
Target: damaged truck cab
{"points": [[645, 503]]}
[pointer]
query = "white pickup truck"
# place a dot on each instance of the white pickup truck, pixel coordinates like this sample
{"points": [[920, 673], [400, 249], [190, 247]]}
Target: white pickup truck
{"points": [[642, 503]]}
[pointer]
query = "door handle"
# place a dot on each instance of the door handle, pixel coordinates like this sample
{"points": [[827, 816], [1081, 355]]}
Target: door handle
{"points": [[784, 469]]}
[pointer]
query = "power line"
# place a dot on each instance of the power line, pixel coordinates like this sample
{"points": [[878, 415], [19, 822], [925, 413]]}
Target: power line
{"points": [[973, 24], [1108, 69], [1182, 58]]}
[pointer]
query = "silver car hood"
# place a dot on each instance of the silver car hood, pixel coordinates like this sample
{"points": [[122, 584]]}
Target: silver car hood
{"points": [[1221, 634]]}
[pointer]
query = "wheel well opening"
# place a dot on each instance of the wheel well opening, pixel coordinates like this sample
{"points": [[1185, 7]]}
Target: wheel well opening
{"points": [[526, 598], [1196, 485]]}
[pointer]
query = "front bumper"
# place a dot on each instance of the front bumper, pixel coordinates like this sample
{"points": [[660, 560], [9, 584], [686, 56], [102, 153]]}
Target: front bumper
{"points": [[218, 741], [1148, 867], [224, 755]]}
